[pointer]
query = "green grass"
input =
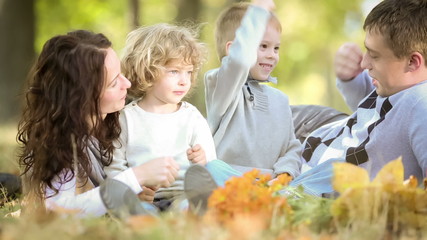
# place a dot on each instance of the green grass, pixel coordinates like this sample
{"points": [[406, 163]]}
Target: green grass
{"points": [[311, 218]]}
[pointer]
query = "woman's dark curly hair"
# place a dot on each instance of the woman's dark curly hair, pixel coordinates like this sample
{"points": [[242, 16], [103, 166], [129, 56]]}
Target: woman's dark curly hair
{"points": [[62, 113]]}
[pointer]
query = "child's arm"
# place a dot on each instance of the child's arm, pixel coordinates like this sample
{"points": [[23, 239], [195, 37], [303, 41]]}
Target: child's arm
{"points": [[202, 144], [289, 159], [289, 162], [224, 85]]}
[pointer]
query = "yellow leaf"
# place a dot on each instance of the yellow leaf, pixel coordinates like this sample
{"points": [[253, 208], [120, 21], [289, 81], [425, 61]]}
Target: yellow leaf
{"points": [[347, 175], [411, 182], [391, 174]]}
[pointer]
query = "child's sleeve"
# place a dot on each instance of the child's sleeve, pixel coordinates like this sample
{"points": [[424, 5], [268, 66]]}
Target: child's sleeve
{"points": [[202, 135], [290, 162], [290, 157], [224, 85]]}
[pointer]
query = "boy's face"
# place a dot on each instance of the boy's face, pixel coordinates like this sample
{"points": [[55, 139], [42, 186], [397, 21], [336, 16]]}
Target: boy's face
{"points": [[172, 85], [387, 71], [268, 54]]}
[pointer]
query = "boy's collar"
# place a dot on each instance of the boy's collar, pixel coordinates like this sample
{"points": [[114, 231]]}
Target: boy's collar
{"points": [[270, 79]]}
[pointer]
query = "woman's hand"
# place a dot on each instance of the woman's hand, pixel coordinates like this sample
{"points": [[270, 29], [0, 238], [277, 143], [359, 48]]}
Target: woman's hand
{"points": [[159, 172]]}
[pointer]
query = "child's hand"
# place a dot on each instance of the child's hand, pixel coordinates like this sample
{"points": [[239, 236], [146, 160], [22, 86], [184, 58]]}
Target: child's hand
{"points": [[266, 4], [347, 61], [274, 179], [147, 194], [196, 154]]}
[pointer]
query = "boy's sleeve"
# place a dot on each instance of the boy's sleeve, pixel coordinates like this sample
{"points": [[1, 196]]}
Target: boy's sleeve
{"points": [[290, 157], [355, 90], [290, 162], [119, 163], [224, 85]]}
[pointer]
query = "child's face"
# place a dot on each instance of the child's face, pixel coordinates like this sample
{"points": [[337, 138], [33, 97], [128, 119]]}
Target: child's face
{"points": [[172, 85], [268, 54]]}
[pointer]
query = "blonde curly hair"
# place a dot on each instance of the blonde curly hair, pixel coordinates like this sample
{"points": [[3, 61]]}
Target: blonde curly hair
{"points": [[149, 49]]}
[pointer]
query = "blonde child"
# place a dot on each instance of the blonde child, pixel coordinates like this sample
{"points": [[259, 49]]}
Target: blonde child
{"points": [[162, 62], [251, 122]]}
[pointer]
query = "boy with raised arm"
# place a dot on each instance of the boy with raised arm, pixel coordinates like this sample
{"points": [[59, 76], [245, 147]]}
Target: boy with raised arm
{"points": [[251, 122]]}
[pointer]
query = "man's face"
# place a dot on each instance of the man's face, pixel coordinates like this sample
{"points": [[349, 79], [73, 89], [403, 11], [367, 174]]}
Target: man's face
{"points": [[386, 70]]}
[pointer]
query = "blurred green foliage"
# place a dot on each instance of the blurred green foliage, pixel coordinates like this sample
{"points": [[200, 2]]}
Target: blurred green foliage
{"points": [[312, 32]]}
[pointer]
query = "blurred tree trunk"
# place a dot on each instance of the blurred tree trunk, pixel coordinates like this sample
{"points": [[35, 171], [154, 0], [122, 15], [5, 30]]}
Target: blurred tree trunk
{"points": [[16, 53], [189, 12], [134, 13]]}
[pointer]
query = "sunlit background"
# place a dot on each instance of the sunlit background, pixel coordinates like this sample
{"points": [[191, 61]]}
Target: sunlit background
{"points": [[312, 32]]}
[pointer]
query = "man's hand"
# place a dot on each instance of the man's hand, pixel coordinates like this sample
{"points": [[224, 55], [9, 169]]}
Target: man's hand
{"points": [[347, 61]]}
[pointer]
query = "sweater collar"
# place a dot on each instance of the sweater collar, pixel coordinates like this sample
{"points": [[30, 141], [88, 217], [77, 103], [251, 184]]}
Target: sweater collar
{"points": [[270, 79]]}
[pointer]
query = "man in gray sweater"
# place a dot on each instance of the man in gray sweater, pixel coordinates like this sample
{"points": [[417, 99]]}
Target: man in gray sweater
{"points": [[389, 97]]}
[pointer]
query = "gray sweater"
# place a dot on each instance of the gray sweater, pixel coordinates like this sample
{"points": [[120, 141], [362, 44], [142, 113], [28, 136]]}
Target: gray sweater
{"points": [[251, 122], [379, 131]]}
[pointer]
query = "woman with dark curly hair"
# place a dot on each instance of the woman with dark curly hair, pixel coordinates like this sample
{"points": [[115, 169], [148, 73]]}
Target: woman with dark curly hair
{"points": [[69, 124]]}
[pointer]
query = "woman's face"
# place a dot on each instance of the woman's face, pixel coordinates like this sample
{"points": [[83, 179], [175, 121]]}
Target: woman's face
{"points": [[115, 87]]}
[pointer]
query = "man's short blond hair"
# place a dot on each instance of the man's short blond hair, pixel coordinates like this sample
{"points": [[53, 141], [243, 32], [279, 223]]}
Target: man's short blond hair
{"points": [[149, 49], [229, 21]]}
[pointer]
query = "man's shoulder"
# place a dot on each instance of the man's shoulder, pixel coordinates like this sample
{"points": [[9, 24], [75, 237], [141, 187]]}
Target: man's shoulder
{"points": [[415, 94]]}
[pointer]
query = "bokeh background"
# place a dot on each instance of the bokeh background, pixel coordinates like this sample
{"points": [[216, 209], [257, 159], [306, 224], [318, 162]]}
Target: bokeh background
{"points": [[312, 32]]}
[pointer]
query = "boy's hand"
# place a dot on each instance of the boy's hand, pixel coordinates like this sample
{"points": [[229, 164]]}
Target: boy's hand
{"points": [[196, 154], [147, 194], [274, 179], [266, 4], [347, 61]]}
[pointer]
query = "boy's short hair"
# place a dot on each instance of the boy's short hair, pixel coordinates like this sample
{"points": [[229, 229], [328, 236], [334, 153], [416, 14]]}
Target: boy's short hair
{"points": [[403, 25], [149, 49], [229, 21]]}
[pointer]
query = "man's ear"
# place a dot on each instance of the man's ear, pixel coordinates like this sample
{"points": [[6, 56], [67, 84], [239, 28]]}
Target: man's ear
{"points": [[416, 60], [227, 46]]}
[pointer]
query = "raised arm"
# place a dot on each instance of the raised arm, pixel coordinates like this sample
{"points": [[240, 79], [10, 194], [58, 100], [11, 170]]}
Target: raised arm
{"points": [[225, 84], [353, 83]]}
